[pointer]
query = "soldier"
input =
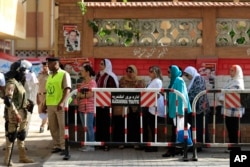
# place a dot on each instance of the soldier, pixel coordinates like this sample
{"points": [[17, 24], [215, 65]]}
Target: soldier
{"points": [[16, 108]]}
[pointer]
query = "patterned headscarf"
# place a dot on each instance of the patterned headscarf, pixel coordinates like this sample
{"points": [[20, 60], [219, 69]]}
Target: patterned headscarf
{"points": [[193, 72]]}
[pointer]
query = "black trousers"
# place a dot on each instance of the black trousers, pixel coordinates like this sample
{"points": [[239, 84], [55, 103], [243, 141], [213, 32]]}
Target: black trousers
{"points": [[133, 126], [149, 125], [118, 128], [199, 126], [232, 124], [102, 124]]}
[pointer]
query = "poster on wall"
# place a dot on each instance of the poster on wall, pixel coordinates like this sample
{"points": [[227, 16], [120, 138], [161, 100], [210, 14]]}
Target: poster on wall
{"points": [[208, 71], [72, 38]]}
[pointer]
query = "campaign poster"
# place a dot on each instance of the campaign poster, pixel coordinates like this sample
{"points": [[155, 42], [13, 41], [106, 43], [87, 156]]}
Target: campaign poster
{"points": [[72, 38], [208, 71]]}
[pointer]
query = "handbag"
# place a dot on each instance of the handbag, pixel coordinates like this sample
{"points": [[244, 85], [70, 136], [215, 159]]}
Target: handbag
{"points": [[180, 131]]}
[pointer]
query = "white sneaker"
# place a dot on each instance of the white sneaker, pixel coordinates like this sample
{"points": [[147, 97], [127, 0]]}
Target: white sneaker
{"points": [[87, 148]]}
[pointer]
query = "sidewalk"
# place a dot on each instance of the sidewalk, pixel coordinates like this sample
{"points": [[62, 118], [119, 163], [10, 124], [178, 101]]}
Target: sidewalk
{"points": [[39, 147], [130, 157]]}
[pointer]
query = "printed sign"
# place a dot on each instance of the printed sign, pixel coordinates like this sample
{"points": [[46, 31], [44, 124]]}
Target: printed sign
{"points": [[125, 98]]}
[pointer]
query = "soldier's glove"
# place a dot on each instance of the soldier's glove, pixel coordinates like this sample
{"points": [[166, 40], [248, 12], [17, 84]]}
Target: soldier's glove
{"points": [[7, 101], [30, 106]]}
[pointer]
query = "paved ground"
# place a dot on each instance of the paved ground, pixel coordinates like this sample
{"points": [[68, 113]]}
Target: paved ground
{"points": [[39, 147], [131, 157]]}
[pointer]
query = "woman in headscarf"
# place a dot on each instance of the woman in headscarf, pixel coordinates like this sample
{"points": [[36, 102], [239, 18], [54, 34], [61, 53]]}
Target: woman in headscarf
{"points": [[196, 85], [232, 114], [155, 75], [129, 80], [104, 79], [177, 83]]}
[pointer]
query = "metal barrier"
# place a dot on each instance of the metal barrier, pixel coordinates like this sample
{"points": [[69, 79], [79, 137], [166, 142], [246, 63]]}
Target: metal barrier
{"points": [[232, 100], [148, 98]]}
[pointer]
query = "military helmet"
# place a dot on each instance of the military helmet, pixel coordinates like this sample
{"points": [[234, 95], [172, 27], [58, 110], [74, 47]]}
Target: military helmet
{"points": [[20, 65]]}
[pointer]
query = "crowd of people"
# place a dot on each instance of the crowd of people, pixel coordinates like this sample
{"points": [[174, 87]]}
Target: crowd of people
{"points": [[54, 85]]}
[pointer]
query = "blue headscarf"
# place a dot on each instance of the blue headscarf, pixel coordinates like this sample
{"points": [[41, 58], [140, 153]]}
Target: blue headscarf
{"points": [[177, 83], [175, 72]]}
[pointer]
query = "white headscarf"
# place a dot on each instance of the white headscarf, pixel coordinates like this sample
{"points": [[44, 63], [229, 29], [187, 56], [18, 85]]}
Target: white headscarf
{"points": [[193, 72], [108, 70], [236, 80]]}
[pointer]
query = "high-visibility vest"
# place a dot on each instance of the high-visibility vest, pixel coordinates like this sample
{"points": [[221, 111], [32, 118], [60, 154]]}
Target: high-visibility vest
{"points": [[54, 89]]}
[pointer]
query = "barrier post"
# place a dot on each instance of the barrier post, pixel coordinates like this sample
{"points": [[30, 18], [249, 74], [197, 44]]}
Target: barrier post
{"points": [[66, 129]]}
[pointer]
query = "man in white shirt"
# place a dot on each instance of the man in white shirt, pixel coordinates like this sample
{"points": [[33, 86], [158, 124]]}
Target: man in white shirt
{"points": [[31, 87]]}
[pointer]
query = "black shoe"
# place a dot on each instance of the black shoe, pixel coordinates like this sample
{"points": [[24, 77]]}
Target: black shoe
{"points": [[62, 152], [56, 150], [139, 148], [151, 149], [190, 149], [168, 154], [106, 148], [178, 151], [172, 153]]}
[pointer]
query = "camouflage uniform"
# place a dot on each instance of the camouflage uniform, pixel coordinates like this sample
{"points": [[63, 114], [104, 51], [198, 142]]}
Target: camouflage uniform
{"points": [[15, 108]]}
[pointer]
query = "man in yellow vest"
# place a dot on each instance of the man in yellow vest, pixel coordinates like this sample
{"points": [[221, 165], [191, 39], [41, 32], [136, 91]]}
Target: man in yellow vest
{"points": [[58, 87]]}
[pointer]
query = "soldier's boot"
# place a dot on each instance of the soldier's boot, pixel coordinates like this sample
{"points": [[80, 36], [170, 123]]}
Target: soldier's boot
{"points": [[7, 157], [23, 157]]}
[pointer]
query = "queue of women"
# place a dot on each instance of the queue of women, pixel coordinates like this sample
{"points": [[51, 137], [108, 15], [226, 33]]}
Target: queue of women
{"points": [[105, 78]]}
